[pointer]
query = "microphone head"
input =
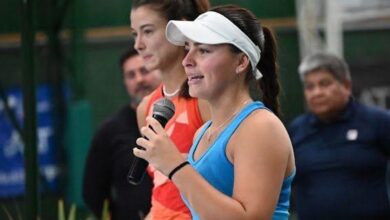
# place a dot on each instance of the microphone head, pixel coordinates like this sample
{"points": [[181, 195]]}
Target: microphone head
{"points": [[164, 108]]}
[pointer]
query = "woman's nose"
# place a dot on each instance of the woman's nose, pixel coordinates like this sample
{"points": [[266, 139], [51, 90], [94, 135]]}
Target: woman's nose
{"points": [[188, 60], [138, 43]]}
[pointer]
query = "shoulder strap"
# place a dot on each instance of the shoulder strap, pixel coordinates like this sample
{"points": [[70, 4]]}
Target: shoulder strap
{"points": [[235, 123], [197, 140]]}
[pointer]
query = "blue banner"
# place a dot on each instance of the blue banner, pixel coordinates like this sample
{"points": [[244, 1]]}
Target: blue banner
{"points": [[12, 177]]}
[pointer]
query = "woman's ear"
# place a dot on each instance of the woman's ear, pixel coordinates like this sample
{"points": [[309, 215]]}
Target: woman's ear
{"points": [[243, 63]]}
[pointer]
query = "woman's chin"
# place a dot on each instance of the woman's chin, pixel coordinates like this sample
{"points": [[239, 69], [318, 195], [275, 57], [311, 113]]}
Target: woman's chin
{"points": [[151, 65], [196, 93], [193, 93]]}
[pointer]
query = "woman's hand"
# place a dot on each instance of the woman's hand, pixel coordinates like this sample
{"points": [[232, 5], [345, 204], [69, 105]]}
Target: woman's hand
{"points": [[159, 150]]}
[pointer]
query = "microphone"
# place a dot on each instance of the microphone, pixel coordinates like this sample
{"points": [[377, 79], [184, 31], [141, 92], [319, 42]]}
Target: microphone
{"points": [[163, 110]]}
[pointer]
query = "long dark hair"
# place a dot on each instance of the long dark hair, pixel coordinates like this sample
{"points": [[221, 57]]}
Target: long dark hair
{"points": [[176, 10], [264, 39]]}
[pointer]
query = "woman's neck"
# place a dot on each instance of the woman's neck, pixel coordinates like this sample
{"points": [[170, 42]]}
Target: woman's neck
{"points": [[228, 105], [173, 77], [223, 112]]}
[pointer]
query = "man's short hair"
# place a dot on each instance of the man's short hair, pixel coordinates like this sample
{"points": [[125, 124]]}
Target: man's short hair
{"points": [[130, 52], [325, 61]]}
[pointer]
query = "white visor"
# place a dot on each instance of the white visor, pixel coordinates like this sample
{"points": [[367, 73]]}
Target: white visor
{"points": [[214, 28]]}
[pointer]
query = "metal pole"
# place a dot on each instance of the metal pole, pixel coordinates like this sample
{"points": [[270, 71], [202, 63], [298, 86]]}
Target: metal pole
{"points": [[334, 27], [308, 16], [29, 107]]}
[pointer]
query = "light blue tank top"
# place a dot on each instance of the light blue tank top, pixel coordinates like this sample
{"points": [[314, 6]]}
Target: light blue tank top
{"points": [[216, 168]]}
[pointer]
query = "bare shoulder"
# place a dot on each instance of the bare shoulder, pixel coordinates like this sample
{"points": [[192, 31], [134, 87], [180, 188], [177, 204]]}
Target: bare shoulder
{"points": [[262, 137], [264, 119], [262, 126]]}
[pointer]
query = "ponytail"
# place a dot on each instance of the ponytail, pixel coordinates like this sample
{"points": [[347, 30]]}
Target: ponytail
{"points": [[269, 83], [262, 37]]}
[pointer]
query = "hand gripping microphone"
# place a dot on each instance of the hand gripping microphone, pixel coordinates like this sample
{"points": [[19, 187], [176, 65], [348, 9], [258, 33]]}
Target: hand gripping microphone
{"points": [[163, 110]]}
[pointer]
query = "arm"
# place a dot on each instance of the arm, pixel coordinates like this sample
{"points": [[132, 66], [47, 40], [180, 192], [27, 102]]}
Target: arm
{"points": [[261, 145], [259, 171]]}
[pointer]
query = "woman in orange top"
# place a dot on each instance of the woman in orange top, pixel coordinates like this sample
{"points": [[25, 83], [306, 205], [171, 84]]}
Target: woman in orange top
{"points": [[148, 22]]}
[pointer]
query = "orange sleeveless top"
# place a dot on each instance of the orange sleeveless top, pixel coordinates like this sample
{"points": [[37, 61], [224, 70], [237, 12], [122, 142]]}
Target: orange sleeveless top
{"points": [[166, 200]]}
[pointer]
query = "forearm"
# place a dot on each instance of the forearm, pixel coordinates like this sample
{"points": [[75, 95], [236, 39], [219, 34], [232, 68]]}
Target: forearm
{"points": [[207, 201]]}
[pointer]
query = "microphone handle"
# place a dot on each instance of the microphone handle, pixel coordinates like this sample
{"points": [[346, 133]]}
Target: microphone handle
{"points": [[139, 165]]}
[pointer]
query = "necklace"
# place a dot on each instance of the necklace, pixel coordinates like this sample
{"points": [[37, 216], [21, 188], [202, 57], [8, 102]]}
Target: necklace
{"points": [[170, 95], [211, 132]]}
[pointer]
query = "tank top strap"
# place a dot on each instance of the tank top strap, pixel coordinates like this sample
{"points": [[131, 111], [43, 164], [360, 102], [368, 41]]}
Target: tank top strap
{"points": [[244, 113], [197, 140], [226, 134]]}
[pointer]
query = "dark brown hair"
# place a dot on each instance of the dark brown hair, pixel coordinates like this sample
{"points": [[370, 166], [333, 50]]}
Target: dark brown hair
{"points": [[263, 38], [176, 10], [130, 52]]}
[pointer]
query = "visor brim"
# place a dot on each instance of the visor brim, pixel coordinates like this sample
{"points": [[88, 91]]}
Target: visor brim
{"points": [[178, 32]]}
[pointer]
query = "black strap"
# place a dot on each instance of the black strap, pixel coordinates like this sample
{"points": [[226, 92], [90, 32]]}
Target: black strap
{"points": [[177, 169]]}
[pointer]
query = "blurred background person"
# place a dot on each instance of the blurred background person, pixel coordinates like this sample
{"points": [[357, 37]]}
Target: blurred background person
{"points": [[148, 22], [110, 154], [341, 147]]}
